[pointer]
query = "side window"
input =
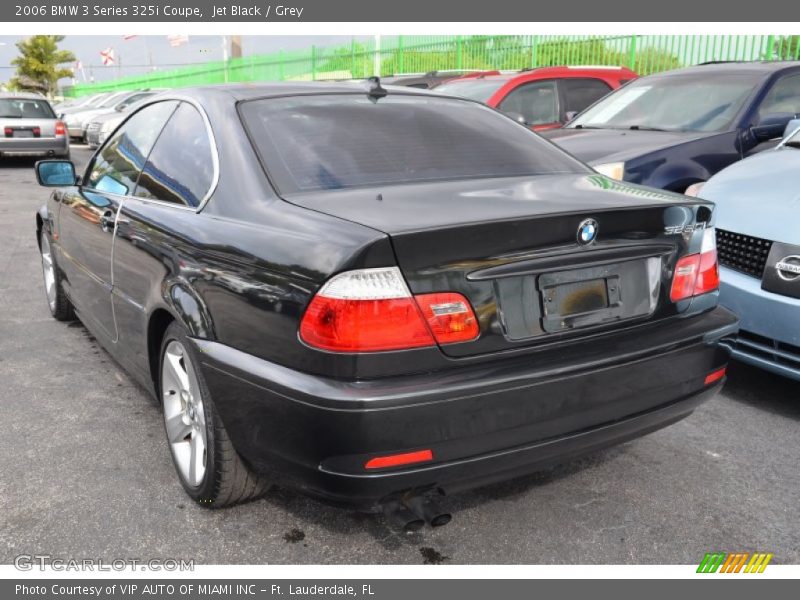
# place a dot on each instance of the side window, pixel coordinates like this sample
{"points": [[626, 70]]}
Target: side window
{"points": [[116, 167], [784, 97], [537, 102], [582, 93], [180, 167]]}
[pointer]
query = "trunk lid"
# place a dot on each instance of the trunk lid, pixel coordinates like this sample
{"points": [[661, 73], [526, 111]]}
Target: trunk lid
{"points": [[511, 247]]}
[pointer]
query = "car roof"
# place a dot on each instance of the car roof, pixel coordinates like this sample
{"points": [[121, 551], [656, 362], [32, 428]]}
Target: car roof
{"points": [[243, 92], [555, 71], [22, 96], [720, 67]]}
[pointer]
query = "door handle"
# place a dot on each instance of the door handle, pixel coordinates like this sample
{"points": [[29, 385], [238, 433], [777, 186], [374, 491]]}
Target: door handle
{"points": [[107, 221]]}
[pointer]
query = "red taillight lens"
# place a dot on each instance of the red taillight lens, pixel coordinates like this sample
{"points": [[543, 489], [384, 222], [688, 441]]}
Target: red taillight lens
{"points": [[8, 131], [37, 131], [372, 310], [364, 325], [396, 460], [61, 129], [708, 274], [697, 273], [450, 317]]}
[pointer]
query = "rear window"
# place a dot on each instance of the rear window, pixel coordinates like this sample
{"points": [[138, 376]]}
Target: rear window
{"points": [[311, 143], [25, 108]]}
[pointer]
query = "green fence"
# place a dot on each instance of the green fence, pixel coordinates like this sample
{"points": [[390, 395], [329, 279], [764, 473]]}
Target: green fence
{"points": [[419, 54]]}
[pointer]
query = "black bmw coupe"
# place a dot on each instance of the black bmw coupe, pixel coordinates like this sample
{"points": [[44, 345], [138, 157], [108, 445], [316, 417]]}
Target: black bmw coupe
{"points": [[378, 295]]}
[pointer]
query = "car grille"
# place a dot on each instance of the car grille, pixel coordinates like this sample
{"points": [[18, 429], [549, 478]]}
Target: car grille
{"points": [[742, 252], [767, 349]]}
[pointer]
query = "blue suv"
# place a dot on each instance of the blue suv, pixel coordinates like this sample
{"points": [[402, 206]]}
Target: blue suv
{"points": [[678, 128]]}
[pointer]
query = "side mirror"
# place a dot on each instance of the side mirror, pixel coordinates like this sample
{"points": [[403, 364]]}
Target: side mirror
{"points": [[518, 117], [571, 114], [771, 126], [791, 127], [55, 173]]}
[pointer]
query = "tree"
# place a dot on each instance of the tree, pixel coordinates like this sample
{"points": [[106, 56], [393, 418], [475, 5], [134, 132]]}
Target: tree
{"points": [[39, 64], [787, 48]]}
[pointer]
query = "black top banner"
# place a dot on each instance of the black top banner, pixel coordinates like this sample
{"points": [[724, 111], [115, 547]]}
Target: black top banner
{"points": [[397, 11]]}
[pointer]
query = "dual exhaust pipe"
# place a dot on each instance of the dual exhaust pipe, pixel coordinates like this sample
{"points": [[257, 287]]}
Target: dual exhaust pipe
{"points": [[411, 513]]}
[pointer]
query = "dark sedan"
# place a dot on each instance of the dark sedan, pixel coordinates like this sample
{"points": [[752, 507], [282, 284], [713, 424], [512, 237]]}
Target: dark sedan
{"points": [[377, 295], [678, 128]]}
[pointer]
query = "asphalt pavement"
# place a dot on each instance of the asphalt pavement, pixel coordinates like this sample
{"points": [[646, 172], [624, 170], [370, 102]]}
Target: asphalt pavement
{"points": [[85, 471]]}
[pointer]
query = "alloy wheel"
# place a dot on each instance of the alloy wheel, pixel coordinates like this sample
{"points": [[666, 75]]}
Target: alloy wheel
{"points": [[184, 415]]}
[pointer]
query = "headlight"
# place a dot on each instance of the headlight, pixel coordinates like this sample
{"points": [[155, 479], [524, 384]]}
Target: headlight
{"points": [[694, 189], [614, 170]]}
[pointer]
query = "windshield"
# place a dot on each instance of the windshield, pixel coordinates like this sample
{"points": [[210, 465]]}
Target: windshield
{"points": [[310, 143], [474, 89], [691, 102], [25, 108], [111, 100]]}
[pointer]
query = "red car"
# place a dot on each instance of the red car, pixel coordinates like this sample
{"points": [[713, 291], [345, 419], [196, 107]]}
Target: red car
{"points": [[543, 98]]}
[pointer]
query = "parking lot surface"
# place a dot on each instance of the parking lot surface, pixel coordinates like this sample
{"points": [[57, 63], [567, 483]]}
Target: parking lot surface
{"points": [[85, 471]]}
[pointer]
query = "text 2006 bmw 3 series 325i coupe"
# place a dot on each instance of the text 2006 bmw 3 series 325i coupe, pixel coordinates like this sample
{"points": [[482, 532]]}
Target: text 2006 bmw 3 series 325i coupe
{"points": [[378, 296]]}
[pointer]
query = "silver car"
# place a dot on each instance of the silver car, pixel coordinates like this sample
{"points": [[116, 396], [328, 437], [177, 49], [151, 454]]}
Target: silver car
{"points": [[29, 126], [99, 126]]}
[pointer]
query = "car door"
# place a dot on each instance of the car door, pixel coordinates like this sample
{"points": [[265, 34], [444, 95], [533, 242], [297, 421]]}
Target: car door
{"points": [[579, 93], [153, 242], [537, 102], [88, 214]]}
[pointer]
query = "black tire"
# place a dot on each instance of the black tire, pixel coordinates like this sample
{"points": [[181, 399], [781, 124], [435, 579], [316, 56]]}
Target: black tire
{"points": [[227, 480], [60, 306]]}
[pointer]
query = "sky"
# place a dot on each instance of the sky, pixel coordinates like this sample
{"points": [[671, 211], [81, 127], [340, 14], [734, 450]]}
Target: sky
{"points": [[136, 55]]}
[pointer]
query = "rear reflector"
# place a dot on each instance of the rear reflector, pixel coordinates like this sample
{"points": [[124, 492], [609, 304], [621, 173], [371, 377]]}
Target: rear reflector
{"points": [[697, 274], [396, 460], [372, 310], [715, 376]]}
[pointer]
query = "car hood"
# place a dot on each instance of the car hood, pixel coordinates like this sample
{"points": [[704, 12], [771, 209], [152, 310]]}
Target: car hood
{"points": [[759, 196], [598, 146]]}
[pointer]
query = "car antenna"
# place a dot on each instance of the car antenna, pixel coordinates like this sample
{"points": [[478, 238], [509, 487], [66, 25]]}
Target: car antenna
{"points": [[376, 92]]}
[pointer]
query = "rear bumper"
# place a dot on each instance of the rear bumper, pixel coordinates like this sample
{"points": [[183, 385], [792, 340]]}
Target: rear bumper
{"points": [[56, 146], [770, 324], [482, 423]]}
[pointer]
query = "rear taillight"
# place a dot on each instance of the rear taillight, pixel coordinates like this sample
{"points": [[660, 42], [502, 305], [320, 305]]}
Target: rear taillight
{"points": [[8, 131], [449, 317], [61, 129], [372, 310], [697, 274], [37, 131]]}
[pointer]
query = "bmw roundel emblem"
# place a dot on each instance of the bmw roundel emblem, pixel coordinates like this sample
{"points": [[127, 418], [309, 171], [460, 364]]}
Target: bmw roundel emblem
{"points": [[587, 231]]}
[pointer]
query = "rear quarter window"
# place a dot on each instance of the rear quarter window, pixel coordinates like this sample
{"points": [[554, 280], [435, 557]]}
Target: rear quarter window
{"points": [[180, 168], [335, 141]]}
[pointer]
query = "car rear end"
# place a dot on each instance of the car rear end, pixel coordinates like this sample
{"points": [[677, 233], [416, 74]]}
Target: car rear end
{"points": [[29, 127], [526, 311]]}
